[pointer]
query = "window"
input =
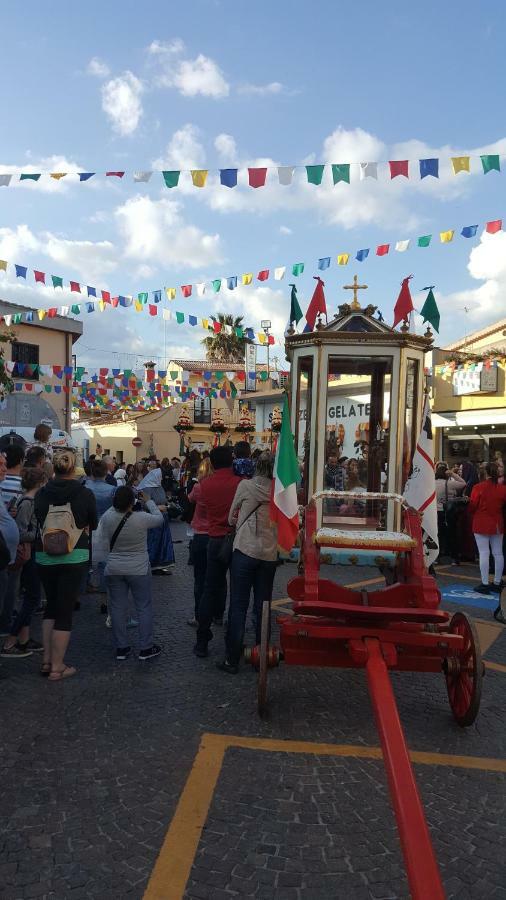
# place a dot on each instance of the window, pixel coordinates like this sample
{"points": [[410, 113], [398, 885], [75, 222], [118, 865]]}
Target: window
{"points": [[202, 411], [26, 357]]}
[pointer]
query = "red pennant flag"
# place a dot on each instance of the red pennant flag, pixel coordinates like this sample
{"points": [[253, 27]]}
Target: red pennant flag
{"points": [[216, 327], [52, 312], [263, 275], [65, 388], [106, 297], [399, 167], [382, 249], [317, 305], [57, 370], [153, 310], [150, 375], [39, 276], [75, 286], [115, 174], [186, 290], [271, 339], [115, 302], [257, 177], [494, 227], [104, 371], [404, 304]]}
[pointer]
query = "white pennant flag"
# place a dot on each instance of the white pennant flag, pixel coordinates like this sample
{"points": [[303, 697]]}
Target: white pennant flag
{"points": [[368, 170], [64, 310], [166, 314], [201, 288], [420, 489], [279, 273], [142, 176], [285, 174], [5, 180], [8, 320], [401, 246]]}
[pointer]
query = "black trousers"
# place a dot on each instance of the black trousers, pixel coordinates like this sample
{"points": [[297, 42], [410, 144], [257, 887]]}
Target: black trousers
{"points": [[199, 562], [214, 597]]}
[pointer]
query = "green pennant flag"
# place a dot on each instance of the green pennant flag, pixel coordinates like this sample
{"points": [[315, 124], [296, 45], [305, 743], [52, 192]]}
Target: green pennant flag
{"points": [[75, 309], [491, 163], [28, 176], [47, 388], [219, 376], [239, 332], [233, 389], [216, 285], [80, 370], [57, 281], [314, 174], [297, 268], [425, 240], [16, 319], [341, 172], [429, 311], [173, 375], [143, 297], [263, 376], [295, 310], [171, 178], [179, 318], [127, 373]]}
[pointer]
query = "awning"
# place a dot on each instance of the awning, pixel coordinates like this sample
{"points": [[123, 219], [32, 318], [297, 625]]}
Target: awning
{"points": [[469, 417], [444, 420]]}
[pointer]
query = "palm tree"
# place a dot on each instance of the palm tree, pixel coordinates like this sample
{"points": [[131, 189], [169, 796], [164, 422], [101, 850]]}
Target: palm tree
{"points": [[223, 347]]}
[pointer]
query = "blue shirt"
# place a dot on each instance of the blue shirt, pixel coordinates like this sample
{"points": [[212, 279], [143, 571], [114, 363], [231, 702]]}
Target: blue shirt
{"points": [[9, 531], [104, 494]]}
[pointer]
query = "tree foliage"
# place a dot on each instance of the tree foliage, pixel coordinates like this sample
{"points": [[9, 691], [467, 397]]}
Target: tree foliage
{"points": [[223, 347]]}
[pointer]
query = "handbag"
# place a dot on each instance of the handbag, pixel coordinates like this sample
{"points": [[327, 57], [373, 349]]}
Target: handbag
{"points": [[227, 544]]}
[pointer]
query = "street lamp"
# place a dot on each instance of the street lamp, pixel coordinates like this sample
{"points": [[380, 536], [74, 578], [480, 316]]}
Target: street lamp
{"points": [[266, 325]]}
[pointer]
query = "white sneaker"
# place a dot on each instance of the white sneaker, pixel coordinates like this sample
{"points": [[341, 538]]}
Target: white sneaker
{"points": [[108, 622]]}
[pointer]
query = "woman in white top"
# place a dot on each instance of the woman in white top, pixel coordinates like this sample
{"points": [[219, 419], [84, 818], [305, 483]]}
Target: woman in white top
{"points": [[123, 538]]}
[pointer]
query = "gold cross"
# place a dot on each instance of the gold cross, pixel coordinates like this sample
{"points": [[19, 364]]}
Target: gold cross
{"points": [[355, 287]]}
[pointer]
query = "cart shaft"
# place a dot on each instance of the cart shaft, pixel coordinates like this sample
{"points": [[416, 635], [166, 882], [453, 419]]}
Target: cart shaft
{"points": [[421, 865]]}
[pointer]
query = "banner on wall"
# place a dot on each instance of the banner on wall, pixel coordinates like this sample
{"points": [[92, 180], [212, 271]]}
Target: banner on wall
{"points": [[250, 359]]}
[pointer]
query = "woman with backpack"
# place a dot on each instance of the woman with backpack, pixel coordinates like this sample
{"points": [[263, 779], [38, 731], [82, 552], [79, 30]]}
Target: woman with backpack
{"points": [[19, 644], [122, 537], [67, 514]]}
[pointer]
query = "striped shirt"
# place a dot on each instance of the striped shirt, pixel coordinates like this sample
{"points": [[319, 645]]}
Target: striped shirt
{"points": [[10, 488]]}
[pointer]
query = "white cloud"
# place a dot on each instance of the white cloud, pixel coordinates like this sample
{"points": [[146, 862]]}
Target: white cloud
{"points": [[164, 49], [226, 148], [255, 304], [121, 101], [184, 150], [98, 68], [283, 229], [155, 232], [91, 260], [261, 90], [201, 76]]}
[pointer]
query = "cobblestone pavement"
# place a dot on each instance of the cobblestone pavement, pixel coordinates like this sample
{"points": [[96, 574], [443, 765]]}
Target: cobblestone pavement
{"points": [[92, 770]]}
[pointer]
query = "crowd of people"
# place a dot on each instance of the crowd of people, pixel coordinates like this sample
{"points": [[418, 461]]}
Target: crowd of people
{"points": [[67, 530]]}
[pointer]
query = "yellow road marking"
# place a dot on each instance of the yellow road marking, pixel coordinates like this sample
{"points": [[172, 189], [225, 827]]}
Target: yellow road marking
{"points": [[172, 869]]}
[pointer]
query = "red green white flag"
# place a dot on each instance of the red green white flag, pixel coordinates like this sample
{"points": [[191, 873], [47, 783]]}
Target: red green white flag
{"points": [[284, 510]]}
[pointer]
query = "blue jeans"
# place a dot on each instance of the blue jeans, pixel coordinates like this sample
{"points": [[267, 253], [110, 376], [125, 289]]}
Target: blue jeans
{"points": [[30, 596], [214, 596], [140, 586], [199, 560], [246, 573]]}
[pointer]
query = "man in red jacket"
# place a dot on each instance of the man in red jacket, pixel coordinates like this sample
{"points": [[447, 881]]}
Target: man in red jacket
{"points": [[217, 493]]}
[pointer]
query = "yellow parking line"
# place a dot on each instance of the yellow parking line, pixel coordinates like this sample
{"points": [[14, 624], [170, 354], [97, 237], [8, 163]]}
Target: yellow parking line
{"points": [[173, 866]]}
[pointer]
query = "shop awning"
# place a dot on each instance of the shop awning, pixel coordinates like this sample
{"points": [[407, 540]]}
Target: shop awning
{"points": [[469, 417], [444, 420]]}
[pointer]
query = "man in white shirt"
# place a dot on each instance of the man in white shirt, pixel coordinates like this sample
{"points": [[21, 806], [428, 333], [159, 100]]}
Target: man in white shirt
{"points": [[10, 488]]}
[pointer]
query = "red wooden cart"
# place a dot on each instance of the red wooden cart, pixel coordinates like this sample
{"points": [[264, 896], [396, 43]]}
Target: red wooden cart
{"points": [[400, 628]]}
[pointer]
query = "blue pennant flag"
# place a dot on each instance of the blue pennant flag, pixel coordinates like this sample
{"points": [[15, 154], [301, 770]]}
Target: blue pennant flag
{"points": [[469, 231], [192, 320], [232, 282], [157, 296], [362, 254], [228, 177], [115, 372], [90, 307], [21, 271], [429, 167], [29, 316], [324, 263], [18, 385], [83, 176], [91, 291], [162, 373]]}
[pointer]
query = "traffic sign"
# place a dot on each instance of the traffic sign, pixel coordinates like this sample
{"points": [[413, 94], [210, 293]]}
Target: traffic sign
{"points": [[137, 442]]}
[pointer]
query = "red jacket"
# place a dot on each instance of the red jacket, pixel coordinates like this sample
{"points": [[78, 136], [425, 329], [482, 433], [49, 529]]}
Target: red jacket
{"points": [[217, 493], [486, 502]]}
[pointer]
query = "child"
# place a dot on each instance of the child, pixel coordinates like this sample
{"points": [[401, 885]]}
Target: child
{"points": [[19, 644]]}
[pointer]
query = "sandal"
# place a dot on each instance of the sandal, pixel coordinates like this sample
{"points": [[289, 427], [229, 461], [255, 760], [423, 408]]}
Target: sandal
{"points": [[66, 672], [45, 670]]}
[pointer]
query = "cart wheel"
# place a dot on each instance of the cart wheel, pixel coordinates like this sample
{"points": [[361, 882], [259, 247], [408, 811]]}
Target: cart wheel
{"points": [[464, 672], [263, 662]]}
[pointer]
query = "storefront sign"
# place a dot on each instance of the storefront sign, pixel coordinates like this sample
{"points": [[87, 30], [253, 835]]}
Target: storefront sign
{"points": [[479, 380], [250, 361]]}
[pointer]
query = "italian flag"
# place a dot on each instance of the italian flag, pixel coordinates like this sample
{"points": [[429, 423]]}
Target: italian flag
{"points": [[284, 506]]}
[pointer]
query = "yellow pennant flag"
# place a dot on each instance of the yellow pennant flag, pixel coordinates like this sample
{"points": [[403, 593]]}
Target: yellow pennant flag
{"points": [[199, 177], [41, 313], [446, 236], [170, 293], [460, 164], [58, 175], [262, 337], [101, 305], [342, 259], [3, 265], [139, 306], [247, 278], [205, 324]]}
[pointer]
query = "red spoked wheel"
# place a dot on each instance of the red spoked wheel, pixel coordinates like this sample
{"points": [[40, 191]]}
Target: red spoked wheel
{"points": [[464, 671]]}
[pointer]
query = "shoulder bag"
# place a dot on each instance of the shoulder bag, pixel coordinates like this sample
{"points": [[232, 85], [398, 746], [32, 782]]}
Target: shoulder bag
{"points": [[227, 547]]}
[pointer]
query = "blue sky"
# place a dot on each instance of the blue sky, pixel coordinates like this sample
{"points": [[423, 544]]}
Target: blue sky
{"points": [[207, 84]]}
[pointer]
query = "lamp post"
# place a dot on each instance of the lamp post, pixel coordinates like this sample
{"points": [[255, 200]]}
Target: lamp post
{"points": [[266, 325]]}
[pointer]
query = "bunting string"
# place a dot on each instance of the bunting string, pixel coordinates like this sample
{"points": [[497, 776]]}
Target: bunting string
{"points": [[92, 299], [258, 177]]}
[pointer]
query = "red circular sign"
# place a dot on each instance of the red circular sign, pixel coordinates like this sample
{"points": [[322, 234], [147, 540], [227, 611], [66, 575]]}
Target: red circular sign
{"points": [[137, 442]]}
